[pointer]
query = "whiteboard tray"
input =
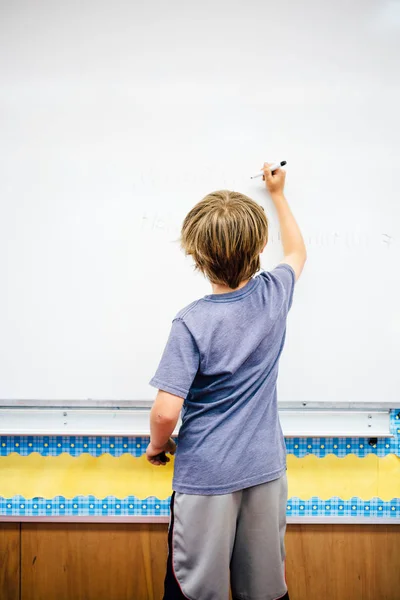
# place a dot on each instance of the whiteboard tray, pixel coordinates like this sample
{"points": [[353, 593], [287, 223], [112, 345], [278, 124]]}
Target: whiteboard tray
{"points": [[135, 422]]}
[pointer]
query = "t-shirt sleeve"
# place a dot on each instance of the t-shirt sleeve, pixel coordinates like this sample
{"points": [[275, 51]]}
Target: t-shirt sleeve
{"points": [[282, 279], [179, 362]]}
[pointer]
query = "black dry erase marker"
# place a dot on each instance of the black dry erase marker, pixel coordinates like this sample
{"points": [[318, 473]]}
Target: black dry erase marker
{"points": [[273, 168]]}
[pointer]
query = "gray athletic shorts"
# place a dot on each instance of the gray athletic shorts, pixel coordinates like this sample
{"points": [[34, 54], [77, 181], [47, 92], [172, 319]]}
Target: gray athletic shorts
{"points": [[228, 540]]}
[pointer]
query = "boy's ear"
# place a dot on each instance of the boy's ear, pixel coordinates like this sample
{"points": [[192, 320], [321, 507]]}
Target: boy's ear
{"points": [[264, 247]]}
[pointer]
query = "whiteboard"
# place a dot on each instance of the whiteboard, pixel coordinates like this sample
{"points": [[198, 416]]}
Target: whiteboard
{"points": [[117, 117]]}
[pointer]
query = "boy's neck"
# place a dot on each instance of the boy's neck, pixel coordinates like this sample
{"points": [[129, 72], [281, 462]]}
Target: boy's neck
{"points": [[218, 288]]}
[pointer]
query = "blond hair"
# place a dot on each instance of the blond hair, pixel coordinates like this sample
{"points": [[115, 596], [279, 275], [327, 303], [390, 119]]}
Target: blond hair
{"points": [[225, 233]]}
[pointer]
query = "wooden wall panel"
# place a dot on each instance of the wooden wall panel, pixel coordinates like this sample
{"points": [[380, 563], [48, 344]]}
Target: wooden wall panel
{"points": [[9, 561], [343, 562], [127, 562], [93, 562]]}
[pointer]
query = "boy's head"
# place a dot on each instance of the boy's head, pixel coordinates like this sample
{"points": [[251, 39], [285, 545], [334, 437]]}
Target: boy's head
{"points": [[225, 234]]}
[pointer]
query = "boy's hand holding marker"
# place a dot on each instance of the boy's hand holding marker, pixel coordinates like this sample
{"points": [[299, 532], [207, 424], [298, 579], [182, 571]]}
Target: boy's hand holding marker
{"points": [[275, 181]]}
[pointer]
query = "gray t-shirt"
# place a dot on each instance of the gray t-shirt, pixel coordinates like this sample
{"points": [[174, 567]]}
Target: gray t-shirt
{"points": [[222, 356]]}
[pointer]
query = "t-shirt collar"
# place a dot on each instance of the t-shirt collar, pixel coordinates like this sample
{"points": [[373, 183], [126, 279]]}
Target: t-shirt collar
{"points": [[234, 295]]}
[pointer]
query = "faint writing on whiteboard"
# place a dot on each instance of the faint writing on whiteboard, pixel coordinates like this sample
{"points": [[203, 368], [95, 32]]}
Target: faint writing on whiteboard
{"points": [[169, 227], [340, 239], [154, 178], [165, 224], [387, 239]]}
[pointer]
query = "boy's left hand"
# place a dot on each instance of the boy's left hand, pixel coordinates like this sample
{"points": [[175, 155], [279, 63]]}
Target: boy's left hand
{"points": [[157, 456]]}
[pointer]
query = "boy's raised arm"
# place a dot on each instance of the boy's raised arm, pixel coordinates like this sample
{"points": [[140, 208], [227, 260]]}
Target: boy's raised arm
{"points": [[294, 248]]}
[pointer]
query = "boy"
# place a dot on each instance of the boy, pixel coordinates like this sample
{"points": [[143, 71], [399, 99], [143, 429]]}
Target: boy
{"points": [[220, 364]]}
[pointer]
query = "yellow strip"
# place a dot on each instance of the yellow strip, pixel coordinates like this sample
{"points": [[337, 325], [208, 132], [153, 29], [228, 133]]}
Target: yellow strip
{"points": [[64, 475], [48, 476], [344, 477]]}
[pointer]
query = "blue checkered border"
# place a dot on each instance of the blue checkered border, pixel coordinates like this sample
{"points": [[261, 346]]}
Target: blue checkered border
{"points": [[335, 507], [116, 446], [84, 506], [153, 507], [53, 445]]}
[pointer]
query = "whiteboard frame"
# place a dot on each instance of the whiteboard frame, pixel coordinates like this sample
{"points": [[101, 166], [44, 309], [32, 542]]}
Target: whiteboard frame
{"points": [[131, 418]]}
